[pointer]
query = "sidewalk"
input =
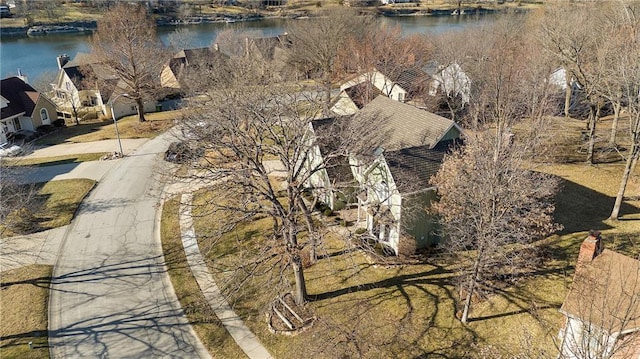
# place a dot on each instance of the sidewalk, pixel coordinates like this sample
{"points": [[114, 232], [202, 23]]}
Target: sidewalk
{"points": [[37, 248], [247, 341]]}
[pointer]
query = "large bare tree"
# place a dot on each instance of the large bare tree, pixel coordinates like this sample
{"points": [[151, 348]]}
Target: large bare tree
{"points": [[127, 44], [256, 138]]}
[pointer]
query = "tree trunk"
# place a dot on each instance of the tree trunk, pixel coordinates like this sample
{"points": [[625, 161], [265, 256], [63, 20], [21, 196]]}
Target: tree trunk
{"points": [[594, 113], [623, 184], [614, 124], [300, 293], [471, 287], [567, 95], [140, 108], [313, 256]]}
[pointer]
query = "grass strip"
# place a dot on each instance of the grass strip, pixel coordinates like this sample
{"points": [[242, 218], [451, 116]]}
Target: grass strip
{"points": [[208, 327], [23, 308], [58, 160], [54, 205]]}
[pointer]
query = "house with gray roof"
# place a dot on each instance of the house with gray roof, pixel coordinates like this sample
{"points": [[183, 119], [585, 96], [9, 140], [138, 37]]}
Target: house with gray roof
{"points": [[393, 179], [85, 85]]}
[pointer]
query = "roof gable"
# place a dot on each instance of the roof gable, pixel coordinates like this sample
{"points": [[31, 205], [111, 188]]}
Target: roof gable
{"points": [[21, 97]]}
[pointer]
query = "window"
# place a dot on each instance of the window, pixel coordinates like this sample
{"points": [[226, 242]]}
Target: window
{"points": [[44, 115], [16, 124], [401, 97]]}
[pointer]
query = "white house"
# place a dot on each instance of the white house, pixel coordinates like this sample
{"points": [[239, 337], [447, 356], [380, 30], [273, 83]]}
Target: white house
{"points": [[85, 84], [393, 181], [23, 108], [452, 81], [602, 309], [383, 83]]}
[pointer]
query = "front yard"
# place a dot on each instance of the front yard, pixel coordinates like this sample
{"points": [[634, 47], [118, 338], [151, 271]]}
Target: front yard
{"points": [[372, 310]]}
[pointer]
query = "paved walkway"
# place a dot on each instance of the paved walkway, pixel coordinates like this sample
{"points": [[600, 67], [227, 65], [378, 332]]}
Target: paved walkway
{"points": [[247, 341], [37, 248]]}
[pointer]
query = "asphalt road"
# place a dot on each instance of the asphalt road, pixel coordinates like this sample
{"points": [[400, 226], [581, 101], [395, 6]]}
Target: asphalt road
{"points": [[111, 296]]}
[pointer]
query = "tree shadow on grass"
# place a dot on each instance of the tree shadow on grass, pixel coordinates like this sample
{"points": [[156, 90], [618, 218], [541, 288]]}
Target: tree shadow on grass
{"points": [[580, 209]]}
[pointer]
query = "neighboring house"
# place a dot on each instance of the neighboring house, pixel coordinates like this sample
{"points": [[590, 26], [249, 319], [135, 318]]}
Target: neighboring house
{"points": [[403, 85], [450, 80], [82, 85], [602, 309], [175, 75], [86, 85], [23, 108], [393, 187]]}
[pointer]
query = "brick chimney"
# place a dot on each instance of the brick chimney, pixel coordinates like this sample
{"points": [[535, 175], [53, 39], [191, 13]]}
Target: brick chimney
{"points": [[591, 247]]}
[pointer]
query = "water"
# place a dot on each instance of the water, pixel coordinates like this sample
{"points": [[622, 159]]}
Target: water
{"points": [[36, 56]]}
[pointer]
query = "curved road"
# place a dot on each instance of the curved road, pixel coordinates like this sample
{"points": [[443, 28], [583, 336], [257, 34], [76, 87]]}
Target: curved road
{"points": [[111, 296]]}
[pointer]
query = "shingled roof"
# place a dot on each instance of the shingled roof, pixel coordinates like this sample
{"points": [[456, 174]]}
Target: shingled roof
{"points": [[412, 167], [605, 291], [21, 96], [406, 125]]}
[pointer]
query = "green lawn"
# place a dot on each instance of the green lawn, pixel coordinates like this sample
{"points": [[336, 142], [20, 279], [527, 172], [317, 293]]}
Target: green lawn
{"points": [[24, 297]]}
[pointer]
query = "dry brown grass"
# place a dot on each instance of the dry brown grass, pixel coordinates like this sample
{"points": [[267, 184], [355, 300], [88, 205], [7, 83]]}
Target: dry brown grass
{"points": [[54, 205], [129, 127], [406, 311], [24, 299]]}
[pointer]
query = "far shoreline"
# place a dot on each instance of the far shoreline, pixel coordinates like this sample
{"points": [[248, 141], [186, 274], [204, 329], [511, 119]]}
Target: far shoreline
{"points": [[167, 21]]}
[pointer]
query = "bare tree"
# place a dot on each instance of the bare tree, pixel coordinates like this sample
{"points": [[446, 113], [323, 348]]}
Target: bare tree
{"points": [[253, 130], [15, 197], [625, 71], [317, 42], [492, 209], [126, 43], [568, 34]]}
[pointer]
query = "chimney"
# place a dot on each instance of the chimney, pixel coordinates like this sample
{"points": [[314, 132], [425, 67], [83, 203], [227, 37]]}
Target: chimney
{"points": [[22, 77], [62, 60], [591, 247]]}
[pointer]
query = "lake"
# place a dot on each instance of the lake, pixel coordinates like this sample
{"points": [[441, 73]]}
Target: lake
{"points": [[36, 55]]}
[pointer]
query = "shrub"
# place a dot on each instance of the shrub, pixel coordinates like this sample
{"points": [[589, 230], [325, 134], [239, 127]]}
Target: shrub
{"points": [[327, 212], [360, 231]]}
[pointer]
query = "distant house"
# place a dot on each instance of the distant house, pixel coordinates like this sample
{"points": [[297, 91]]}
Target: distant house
{"points": [[392, 182], [602, 309], [175, 74], [402, 85], [84, 84], [450, 80], [23, 108]]}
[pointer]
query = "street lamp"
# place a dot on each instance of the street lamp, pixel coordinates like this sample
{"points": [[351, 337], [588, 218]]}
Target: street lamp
{"points": [[115, 123]]}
